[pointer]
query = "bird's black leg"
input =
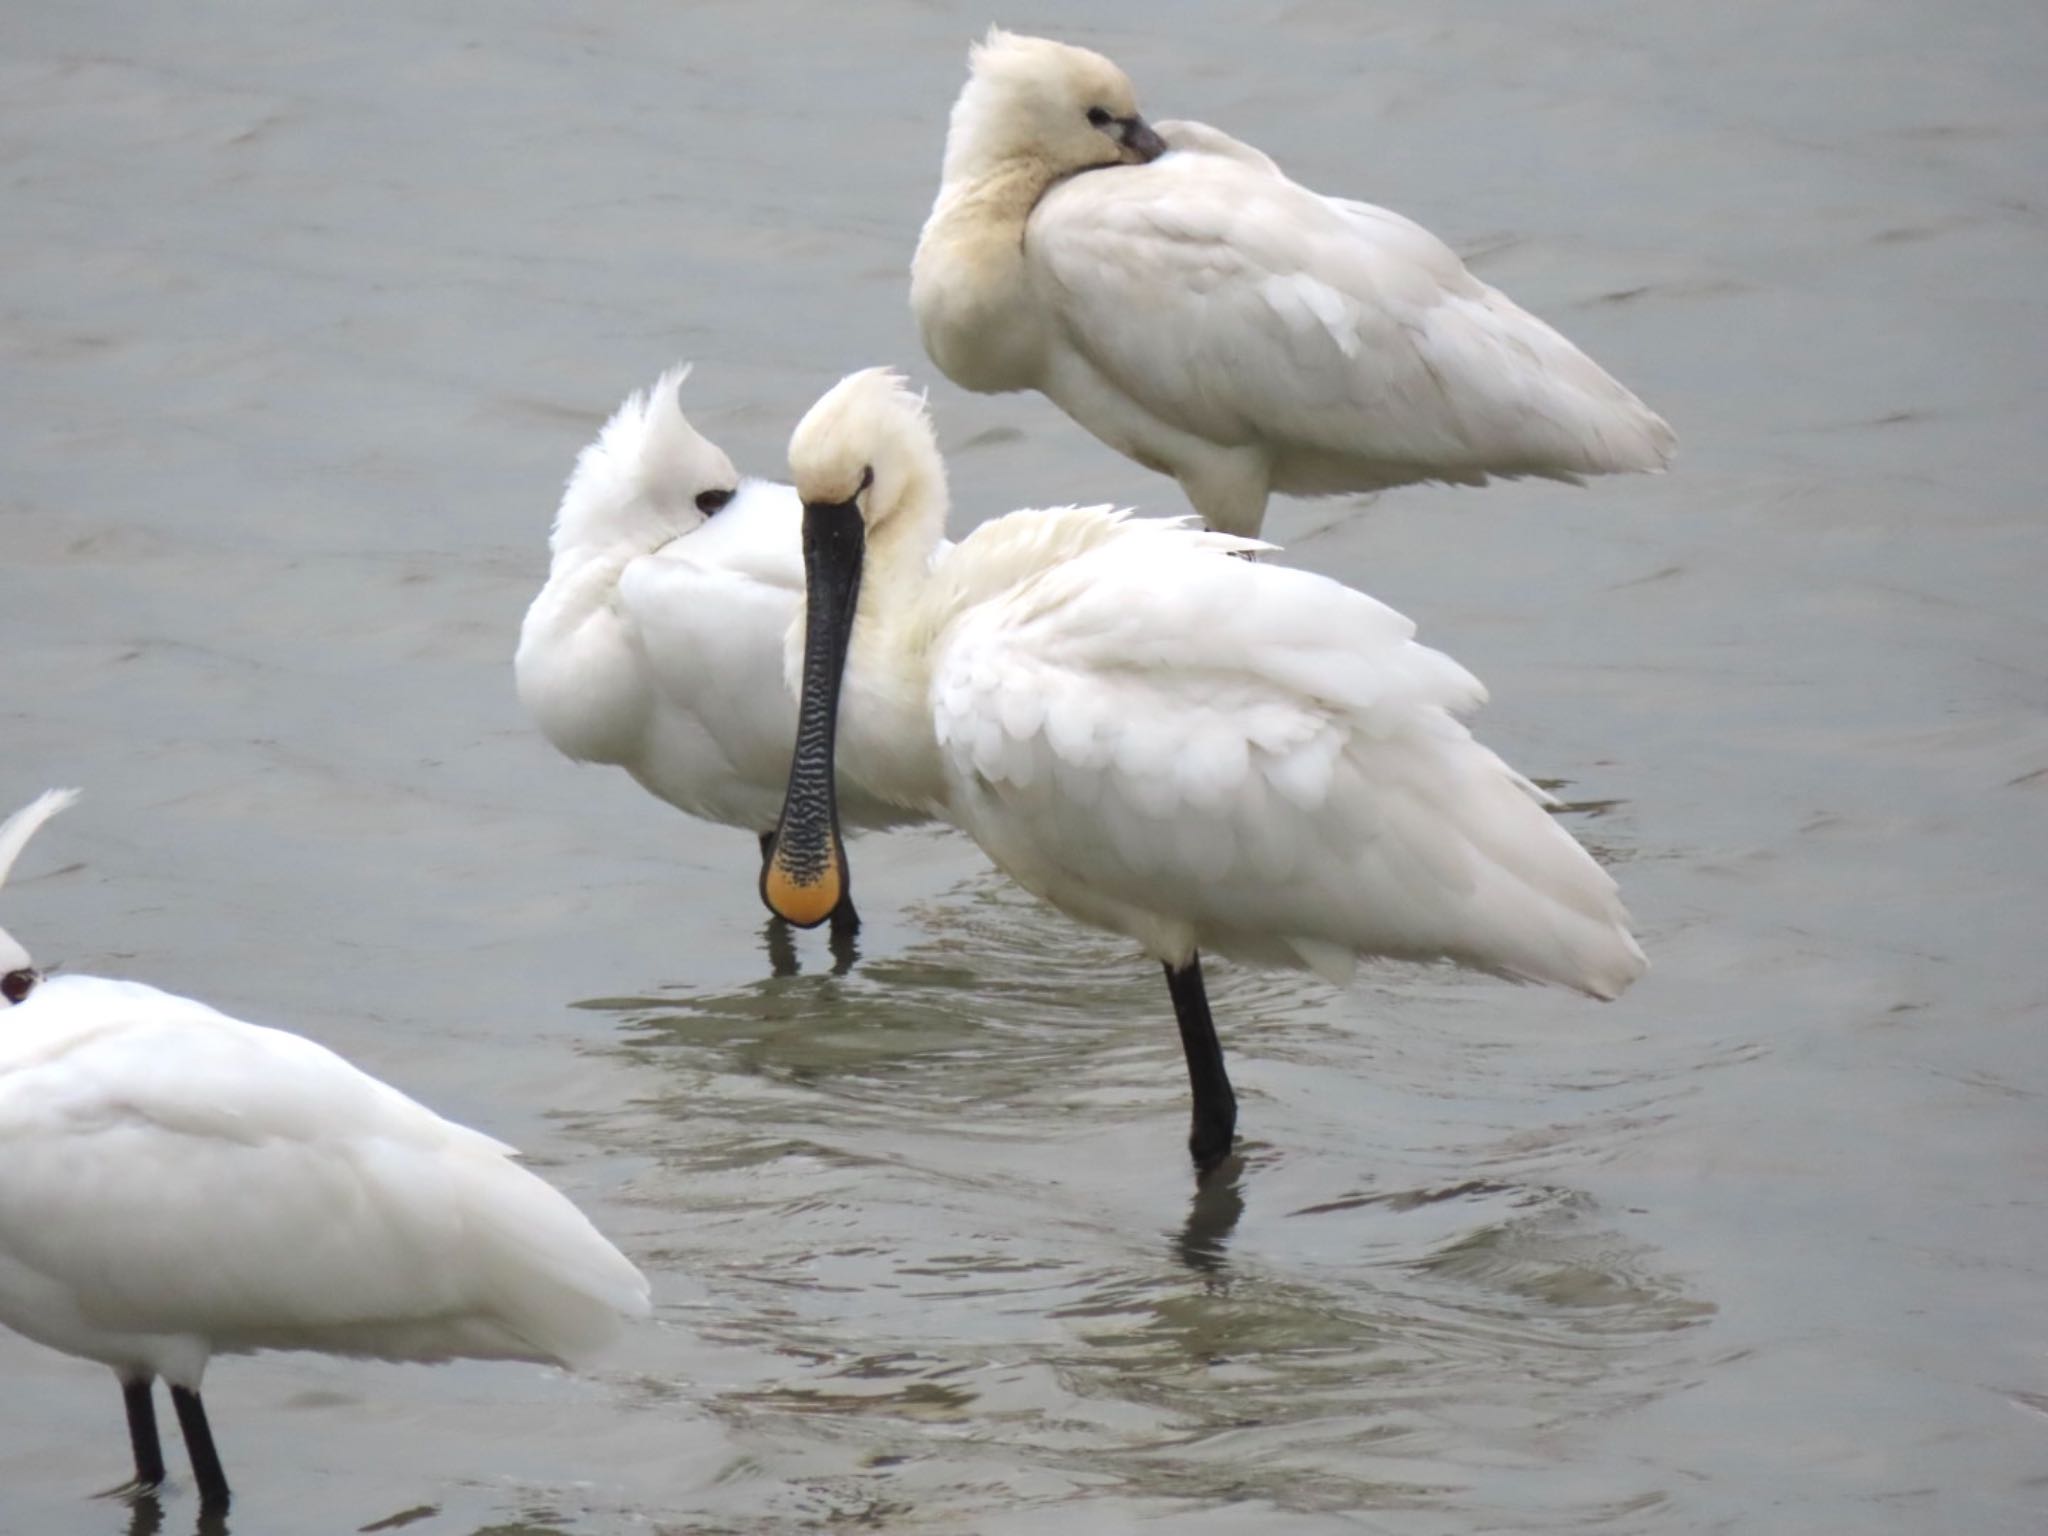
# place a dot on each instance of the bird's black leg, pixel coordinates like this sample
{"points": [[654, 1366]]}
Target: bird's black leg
{"points": [[845, 922], [1215, 1116], [213, 1483], [140, 1397], [843, 937]]}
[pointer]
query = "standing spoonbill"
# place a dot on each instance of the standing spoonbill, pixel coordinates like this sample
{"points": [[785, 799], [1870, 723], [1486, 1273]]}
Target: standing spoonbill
{"points": [[1200, 752], [656, 644], [1187, 303], [176, 1184]]}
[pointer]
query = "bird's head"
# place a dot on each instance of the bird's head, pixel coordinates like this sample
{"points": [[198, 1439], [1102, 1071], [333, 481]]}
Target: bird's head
{"points": [[867, 449], [1030, 99], [648, 478], [867, 467]]}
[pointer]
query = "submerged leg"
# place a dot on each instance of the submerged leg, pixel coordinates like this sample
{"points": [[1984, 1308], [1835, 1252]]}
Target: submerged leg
{"points": [[1215, 1116], [140, 1397], [213, 1483]]}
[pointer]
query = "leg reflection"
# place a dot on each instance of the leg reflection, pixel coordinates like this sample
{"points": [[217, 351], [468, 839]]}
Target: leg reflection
{"points": [[1212, 1216], [781, 948], [844, 938], [145, 1514]]}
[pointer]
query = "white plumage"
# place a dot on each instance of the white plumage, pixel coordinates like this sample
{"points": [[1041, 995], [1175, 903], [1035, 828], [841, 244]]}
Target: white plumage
{"points": [[14, 835], [1199, 751], [656, 644], [1182, 299], [176, 1184], [1211, 754]]}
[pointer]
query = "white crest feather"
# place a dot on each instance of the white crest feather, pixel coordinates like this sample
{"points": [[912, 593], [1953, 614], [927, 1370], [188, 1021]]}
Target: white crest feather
{"points": [[637, 485], [14, 835], [26, 822]]}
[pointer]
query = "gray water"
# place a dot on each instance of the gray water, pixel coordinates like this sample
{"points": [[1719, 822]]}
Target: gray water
{"points": [[304, 311]]}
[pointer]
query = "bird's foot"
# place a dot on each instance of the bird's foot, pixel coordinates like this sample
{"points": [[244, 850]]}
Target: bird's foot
{"points": [[132, 1490]]}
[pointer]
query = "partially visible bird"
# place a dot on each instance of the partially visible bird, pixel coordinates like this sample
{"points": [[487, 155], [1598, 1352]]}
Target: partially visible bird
{"points": [[657, 642], [1200, 752], [176, 1184], [1177, 295]]}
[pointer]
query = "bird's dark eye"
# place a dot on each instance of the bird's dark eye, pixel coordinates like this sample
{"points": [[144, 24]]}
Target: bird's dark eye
{"points": [[16, 985], [1100, 116], [709, 502]]}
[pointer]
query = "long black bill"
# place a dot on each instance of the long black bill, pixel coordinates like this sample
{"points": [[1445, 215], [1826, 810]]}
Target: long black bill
{"points": [[1139, 137], [807, 879]]}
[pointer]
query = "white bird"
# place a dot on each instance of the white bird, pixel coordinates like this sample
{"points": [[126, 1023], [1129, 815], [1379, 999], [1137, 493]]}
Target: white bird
{"points": [[1200, 752], [176, 1184], [657, 642], [1196, 310]]}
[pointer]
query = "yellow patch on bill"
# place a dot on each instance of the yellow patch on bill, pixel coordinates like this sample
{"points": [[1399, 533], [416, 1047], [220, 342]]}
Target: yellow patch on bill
{"points": [[806, 904]]}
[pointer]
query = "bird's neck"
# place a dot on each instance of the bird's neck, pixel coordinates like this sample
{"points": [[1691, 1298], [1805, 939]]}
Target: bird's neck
{"points": [[886, 741], [968, 284]]}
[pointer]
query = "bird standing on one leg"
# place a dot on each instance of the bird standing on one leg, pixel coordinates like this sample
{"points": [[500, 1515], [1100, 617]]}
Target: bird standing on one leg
{"points": [[1182, 299], [1201, 752]]}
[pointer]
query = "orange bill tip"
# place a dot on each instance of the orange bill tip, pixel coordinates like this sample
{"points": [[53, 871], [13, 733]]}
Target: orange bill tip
{"points": [[804, 903]]}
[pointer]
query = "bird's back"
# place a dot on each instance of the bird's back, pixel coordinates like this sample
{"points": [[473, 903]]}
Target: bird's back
{"points": [[705, 620], [1205, 752], [176, 1183], [1234, 306]]}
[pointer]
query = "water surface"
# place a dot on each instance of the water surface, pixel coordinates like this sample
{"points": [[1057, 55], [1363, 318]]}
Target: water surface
{"points": [[303, 313]]}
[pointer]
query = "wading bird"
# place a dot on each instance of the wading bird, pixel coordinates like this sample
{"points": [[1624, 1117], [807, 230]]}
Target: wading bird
{"points": [[176, 1184], [1197, 751], [1196, 310], [657, 643]]}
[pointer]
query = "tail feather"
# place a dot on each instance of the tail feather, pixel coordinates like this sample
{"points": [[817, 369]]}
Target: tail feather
{"points": [[544, 1272]]}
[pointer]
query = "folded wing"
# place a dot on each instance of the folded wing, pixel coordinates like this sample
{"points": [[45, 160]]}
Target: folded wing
{"points": [[1256, 751], [1237, 305], [166, 1170]]}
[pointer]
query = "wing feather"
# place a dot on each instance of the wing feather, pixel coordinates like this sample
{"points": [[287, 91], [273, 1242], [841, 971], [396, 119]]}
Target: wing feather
{"points": [[1263, 760], [1234, 304], [17, 829], [167, 1170]]}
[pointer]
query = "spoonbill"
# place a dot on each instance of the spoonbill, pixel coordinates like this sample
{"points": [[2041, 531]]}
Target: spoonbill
{"points": [[1177, 295], [176, 1184], [656, 644], [1196, 751]]}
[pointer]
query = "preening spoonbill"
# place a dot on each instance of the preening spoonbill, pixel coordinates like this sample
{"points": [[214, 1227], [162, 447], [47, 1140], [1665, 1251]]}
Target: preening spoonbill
{"points": [[1201, 752], [1187, 303], [176, 1184], [657, 642]]}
